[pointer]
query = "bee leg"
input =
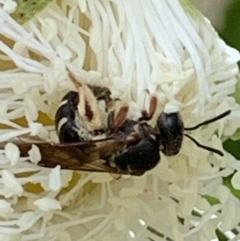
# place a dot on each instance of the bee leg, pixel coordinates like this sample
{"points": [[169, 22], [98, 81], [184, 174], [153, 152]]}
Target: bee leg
{"points": [[88, 104], [73, 78], [87, 100], [99, 92], [147, 115], [103, 93], [83, 106], [116, 120]]}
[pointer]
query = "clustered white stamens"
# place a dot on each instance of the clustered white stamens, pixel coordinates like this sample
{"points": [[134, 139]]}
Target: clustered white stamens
{"points": [[128, 46]]}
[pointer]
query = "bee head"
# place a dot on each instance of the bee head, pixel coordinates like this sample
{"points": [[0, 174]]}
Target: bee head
{"points": [[171, 130], [170, 127]]}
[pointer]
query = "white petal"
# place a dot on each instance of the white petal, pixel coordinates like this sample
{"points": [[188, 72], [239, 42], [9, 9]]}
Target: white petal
{"points": [[6, 192], [20, 87], [236, 180], [26, 217], [10, 6], [11, 182], [35, 128], [5, 208], [66, 177], [34, 154], [223, 193], [49, 28], [3, 109], [55, 179], [4, 204], [47, 204], [63, 52], [31, 110], [12, 153], [10, 237]]}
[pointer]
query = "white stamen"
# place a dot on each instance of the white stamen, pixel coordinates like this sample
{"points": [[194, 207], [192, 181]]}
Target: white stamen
{"points": [[129, 47]]}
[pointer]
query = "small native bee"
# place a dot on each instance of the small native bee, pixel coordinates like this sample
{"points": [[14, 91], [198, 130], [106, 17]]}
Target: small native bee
{"points": [[133, 149], [124, 146]]}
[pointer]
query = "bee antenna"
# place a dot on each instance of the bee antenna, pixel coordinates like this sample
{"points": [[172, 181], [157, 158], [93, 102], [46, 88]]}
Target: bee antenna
{"points": [[208, 121], [205, 147]]}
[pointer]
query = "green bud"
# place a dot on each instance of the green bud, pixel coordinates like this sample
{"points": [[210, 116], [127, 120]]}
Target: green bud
{"points": [[27, 9]]}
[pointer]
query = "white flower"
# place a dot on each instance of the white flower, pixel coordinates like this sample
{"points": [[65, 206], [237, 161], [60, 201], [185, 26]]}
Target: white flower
{"points": [[129, 47]]}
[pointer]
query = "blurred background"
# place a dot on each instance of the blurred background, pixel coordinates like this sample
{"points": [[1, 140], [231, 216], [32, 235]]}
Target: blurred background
{"points": [[225, 18], [215, 10]]}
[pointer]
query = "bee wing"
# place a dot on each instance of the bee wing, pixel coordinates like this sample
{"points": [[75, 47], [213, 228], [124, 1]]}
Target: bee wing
{"points": [[83, 156], [96, 148], [52, 155], [83, 144]]}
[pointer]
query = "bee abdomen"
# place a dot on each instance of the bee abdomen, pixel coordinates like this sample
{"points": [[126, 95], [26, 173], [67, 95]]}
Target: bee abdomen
{"points": [[65, 117]]}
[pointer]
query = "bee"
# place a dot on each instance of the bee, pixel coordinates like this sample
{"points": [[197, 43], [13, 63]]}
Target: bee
{"points": [[132, 147], [123, 146]]}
